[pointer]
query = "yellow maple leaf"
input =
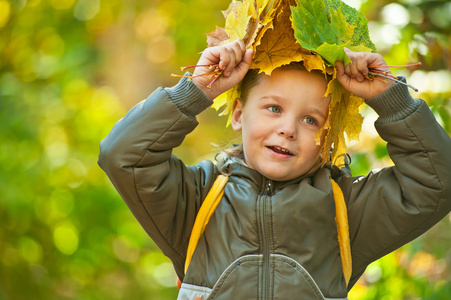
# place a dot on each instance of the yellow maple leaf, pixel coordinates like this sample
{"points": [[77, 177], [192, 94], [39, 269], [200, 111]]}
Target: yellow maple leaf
{"points": [[313, 61], [278, 46], [226, 100], [246, 20], [344, 117], [237, 17], [264, 13], [217, 37]]}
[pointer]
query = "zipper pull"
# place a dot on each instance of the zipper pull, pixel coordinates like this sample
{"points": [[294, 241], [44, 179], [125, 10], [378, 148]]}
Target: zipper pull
{"points": [[268, 188]]}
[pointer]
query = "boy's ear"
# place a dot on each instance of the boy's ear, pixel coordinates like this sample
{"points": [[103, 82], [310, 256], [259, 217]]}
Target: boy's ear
{"points": [[237, 110]]}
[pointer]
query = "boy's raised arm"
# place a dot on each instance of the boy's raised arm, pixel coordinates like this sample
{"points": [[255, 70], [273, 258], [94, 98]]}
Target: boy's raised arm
{"points": [[159, 189], [390, 207]]}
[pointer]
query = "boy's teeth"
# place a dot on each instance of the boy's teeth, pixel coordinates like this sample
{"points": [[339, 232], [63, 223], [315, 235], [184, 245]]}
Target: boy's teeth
{"points": [[281, 150]]}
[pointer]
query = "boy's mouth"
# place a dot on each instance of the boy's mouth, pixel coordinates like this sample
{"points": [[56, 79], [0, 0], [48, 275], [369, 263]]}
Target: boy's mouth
{"points": [[280, 150]]}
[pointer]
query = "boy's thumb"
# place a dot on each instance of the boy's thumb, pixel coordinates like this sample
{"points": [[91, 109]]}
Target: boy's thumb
{"points": [[249, 55]]}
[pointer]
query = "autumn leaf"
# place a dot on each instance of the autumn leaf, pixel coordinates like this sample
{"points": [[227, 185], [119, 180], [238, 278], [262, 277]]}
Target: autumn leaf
{"points": [[278, 46], [225, 101], [328, 27], [344, 117], [266, 13], [356, 18], [247, 20], [237, 19], [217, 37]]}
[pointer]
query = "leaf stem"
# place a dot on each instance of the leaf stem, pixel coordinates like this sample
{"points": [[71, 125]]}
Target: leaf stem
{"points": [[214, 79], [206, 66], [386, 73], [396, 66], [393, 79]]}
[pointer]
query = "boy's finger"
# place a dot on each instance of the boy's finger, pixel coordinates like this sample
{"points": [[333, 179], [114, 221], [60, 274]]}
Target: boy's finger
{"points": [[247, 60], [239, 49], [238, 53], [347, 69], [342, 76], [232, 61], [248, 56], [224, 58], [241, 45], [340, 68], [355, 68], [362, 66]]}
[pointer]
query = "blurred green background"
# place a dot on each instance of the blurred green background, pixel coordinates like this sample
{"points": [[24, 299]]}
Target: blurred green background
{"points": [[69, 69]]}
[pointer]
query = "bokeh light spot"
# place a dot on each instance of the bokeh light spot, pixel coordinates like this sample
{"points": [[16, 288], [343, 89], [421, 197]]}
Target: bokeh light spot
{"points": [[30, 250], [161, 50], [150, 24], [5, 11], [395, 14], [125, 250], [353, 3], [65, 238], [86, 9], [164, 274], [62, 4]]}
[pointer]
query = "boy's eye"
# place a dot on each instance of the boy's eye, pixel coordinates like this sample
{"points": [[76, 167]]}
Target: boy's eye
{"points": [[274, 109], [310, 120]]}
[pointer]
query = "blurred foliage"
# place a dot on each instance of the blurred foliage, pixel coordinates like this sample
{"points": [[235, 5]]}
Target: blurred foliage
{"points": [[69, 69]]}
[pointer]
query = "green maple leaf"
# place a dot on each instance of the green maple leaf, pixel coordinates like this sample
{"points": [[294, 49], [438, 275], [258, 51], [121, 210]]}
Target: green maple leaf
{"points": [[327, 27]]}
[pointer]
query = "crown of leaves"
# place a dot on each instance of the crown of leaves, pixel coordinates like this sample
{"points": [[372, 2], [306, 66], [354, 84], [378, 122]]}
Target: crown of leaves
{"points": [[312, 31]]}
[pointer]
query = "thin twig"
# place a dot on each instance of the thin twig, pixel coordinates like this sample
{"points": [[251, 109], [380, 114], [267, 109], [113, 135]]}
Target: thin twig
{"points": [[393, 79], [396, 66]]}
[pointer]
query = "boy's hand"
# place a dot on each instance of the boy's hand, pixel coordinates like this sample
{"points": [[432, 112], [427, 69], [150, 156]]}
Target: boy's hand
{"points": [[352, 76], [233, 59]]}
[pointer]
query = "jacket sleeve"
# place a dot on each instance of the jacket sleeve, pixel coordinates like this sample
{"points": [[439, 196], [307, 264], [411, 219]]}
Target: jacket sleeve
{"points": [[162, 193], [390, 207]]}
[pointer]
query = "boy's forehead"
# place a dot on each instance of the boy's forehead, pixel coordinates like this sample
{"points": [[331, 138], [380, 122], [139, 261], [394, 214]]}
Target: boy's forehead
{"points": [[304, 77], [281, 90]]}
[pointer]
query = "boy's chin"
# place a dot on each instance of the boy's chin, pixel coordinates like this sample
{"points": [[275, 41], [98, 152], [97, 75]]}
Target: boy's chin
{"points": [[286, 175], [280, 177]]}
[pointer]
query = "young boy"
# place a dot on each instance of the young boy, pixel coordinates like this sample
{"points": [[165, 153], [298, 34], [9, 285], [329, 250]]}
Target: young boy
{"points": [[273, 235]]}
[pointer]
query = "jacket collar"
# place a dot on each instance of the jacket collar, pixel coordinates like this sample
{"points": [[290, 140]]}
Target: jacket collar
{"points": [[237, 167]]}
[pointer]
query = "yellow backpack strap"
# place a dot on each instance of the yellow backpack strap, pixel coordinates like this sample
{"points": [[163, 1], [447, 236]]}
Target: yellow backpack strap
{"points": [[207, 208], [341, 218]]}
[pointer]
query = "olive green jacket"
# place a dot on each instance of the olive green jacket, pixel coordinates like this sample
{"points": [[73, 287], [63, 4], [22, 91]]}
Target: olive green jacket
{"points": [[268, 239]]}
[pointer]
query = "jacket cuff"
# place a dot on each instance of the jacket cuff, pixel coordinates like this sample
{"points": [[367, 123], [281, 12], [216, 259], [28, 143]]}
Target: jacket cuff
{"points": [[188, 97], [394, 104]]}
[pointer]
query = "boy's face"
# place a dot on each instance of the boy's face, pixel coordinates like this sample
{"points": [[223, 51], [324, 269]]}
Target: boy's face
{"points": [[279, 122]]}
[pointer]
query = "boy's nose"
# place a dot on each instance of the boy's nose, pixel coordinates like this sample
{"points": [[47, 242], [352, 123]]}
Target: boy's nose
{"points": [[287, 130]]}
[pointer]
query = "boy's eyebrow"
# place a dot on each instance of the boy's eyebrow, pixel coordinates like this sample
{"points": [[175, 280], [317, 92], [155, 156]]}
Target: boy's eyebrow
{"points": [[319, 112], [272, 97]]}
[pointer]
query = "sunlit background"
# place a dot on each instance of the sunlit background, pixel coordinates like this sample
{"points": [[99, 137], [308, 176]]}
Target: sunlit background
{"points": [[69, 69]]}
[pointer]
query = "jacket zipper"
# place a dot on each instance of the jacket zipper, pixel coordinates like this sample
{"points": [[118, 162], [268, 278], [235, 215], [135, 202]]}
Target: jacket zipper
{"points": [[265, 230]]}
